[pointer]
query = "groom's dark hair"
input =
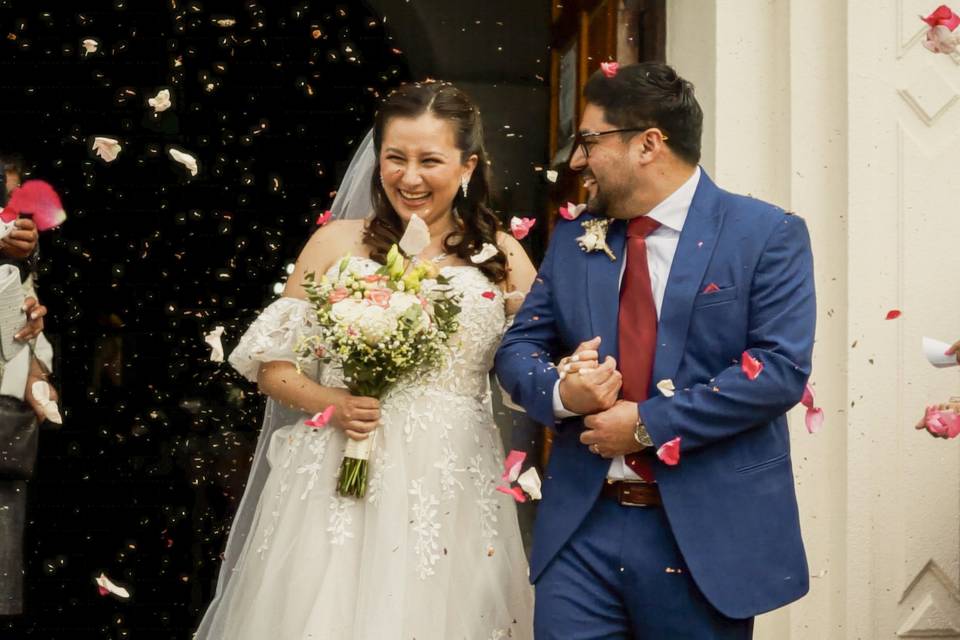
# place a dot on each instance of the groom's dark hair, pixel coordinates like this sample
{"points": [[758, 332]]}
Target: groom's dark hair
{"points": [[651, 94]]}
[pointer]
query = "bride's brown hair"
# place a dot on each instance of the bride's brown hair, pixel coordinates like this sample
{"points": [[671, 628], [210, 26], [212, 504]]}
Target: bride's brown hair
{"points": [[476, 222]]}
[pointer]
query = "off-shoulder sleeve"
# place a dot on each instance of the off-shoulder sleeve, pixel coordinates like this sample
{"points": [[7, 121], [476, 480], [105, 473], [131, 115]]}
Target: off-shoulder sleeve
{"points": [[273, 336]]}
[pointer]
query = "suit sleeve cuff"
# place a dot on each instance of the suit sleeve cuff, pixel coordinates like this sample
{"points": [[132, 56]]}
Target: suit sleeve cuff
{"points": [[559, 410]]}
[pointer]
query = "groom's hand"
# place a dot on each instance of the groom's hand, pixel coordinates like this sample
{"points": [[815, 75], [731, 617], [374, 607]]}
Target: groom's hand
{"points": [[591, 390], [610, 433]]}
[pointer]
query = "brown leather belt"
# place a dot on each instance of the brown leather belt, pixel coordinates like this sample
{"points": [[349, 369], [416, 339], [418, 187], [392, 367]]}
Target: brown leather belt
{"points": [[631, 493]]}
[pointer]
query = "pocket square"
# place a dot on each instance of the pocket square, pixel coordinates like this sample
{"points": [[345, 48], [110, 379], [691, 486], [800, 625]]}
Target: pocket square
{"points": [[711, 288]]}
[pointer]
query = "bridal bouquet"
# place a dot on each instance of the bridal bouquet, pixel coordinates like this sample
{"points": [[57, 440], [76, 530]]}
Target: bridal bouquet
{"points": [[380, 327]]}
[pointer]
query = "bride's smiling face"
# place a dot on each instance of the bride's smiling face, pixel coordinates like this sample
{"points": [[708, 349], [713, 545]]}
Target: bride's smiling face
{"points": [[421, 167]]}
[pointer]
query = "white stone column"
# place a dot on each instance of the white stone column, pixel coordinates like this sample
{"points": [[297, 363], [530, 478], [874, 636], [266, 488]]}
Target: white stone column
{"points": [[835, 111]]}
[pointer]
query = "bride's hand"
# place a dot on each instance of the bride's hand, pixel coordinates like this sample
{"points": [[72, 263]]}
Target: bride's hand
{"points": [[357, 416]]}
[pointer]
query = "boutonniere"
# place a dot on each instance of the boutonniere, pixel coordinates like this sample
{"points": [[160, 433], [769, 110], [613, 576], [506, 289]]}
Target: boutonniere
{"points": [[595, 236]]}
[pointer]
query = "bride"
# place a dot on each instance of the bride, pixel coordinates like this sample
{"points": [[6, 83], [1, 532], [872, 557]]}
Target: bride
{"points": [[433, 551]]}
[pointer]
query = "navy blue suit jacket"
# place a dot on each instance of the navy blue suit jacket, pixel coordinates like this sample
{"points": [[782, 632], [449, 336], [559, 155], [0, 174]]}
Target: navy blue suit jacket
{"points": [[730, 501]]}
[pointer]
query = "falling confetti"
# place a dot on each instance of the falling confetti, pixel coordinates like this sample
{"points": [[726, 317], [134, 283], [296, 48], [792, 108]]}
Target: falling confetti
{"points": [[572, 211], [750, 365], [669, 453], [216, 348], [893, 314], [486, 252], [41, 393], [520, 227], [321, 419], [186, 160], [512, 465], [106, 587], [666, 388], [324, 218], [107, 149], [530, 482], [416, 237], [90, 46], [161, 101], [609, 69]]}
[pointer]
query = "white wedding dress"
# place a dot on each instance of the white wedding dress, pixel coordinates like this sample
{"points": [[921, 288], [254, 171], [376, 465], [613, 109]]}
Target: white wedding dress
{"points": [[433, 552]]}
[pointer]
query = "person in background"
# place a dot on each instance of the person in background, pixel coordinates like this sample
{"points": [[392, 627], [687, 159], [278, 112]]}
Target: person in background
{"points": [[19, 248]]}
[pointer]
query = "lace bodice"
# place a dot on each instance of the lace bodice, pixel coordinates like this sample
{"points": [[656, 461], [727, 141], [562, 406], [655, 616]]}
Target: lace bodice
{"points": [[274, 335]]}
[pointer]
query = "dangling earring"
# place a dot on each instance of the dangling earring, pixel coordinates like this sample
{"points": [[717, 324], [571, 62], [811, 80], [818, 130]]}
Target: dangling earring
{"points": [[464, 183]]}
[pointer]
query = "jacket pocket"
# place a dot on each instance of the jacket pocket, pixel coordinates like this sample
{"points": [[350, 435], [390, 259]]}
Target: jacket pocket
{"points": [[760, 466], [717, 297]]}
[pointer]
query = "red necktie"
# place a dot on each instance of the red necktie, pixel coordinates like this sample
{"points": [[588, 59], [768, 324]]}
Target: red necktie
{"points": [[637, 327]]}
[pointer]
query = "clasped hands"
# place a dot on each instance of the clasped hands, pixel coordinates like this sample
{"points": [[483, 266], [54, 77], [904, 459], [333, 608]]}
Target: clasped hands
{"points": [[590, 388]]}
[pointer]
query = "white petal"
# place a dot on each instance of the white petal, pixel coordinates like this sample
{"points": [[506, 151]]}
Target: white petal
{"points": [[666, 387], [160, 102], [104, 583], [416, 237], [486, 252], [213, 339], [186, 160], [529, 481], [6, 227], [90, 45], [40, 391], [106, 148], [552, 175]]}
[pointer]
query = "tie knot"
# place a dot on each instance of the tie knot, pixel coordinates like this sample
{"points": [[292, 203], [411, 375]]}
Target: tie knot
{"points": [[642, 226]]}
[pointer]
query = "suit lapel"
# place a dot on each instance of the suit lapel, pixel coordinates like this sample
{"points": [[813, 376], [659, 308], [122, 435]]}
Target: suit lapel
{"points": [[694, 250], [603, 289]]}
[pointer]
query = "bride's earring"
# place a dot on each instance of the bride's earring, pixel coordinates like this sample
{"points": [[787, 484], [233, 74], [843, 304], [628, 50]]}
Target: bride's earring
{"points": [[464, 183]]}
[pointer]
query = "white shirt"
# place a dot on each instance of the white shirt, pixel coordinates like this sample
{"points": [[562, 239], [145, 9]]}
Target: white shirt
{"points": [[671, 213]]}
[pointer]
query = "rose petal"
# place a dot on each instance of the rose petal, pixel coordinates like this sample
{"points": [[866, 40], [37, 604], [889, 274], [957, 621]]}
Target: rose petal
{"points": [[486, 252], [943, 16], [516, 492], [610, 69], [489, 295], [750, 365], [324, 218], [321, 419], [529, 481], [185, 159], [669, 453], [807, 399], [216, 347], [711, 288], [41, 393], [89, 46], [813, 419], [106, 586], [107, 149], [161, 101], [415, 238], [893, 314], [552, 175], [572, 211], [666, 388], [520, 227], [952, 422], [511, 466]]}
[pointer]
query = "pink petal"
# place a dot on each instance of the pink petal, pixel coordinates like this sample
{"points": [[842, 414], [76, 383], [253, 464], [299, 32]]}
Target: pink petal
{"points": [[934, 422], [321, 419], [103, 591], [711, 288], [520, 227], [943, 16], [489, 295], [610, 68], [324, 218], [516, 492], [669, 453], [952, 423], [893, 314], [511, 467], [807, 399], [750, 365], [814, 419], [565, 212]]}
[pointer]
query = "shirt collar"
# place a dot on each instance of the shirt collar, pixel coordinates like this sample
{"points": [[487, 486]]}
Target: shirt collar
{"points": [[672, 210]]}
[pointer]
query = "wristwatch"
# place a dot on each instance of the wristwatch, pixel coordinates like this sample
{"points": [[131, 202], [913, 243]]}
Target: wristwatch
{"points": [[640, 433]]}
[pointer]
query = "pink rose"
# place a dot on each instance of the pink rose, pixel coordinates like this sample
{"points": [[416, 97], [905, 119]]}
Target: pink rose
{"points": [[337, 295], [380, 297]]}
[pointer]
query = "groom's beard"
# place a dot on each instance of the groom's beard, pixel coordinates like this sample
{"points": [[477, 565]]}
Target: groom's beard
{"points": [[596, 204]]}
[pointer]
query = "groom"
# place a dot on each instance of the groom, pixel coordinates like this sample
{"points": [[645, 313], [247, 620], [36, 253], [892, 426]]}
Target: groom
{"points": [[705, 292]]}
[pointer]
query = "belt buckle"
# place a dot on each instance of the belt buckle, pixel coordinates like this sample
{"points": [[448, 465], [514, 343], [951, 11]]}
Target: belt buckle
{"points": [[624, 497]]}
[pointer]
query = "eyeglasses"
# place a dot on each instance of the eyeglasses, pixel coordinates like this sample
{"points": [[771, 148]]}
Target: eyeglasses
{"points": [[580, 139]]}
